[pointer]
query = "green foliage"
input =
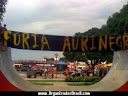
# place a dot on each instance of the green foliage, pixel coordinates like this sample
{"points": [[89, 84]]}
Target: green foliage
{"points": [[43, 83], [99, 55], [2, 8], [78, 56], [80, 79], [92, 79], [69, 79], [34, 81], [69, 56], [79, 83], [116, 24], [87, 79]]}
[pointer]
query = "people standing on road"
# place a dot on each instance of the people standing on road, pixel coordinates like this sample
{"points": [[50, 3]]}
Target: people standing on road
{"points": [[67, 71], [52, 72], [29, 67], [45, 72]]}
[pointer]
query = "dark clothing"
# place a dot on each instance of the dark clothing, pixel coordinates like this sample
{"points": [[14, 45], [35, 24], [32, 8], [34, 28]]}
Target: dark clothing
{"points": [[52, 76], [105, 72], [83, 73], [100, 73], [4, 29], [73, 75], [1, 37], [1, 30], [1, 34], [78, 74]]}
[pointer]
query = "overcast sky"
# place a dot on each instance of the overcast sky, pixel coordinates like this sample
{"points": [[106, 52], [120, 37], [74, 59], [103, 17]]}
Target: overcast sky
{"points": [[56, 17]]}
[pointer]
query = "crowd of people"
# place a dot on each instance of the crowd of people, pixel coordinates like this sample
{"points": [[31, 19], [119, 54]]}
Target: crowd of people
{"points": [[98, 70]]}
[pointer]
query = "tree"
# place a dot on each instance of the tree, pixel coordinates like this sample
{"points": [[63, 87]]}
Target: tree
{"points": [[69, 56], [3, 4], [116, 24]]}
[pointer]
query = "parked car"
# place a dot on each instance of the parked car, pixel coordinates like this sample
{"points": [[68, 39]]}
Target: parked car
{"points": [[34, 71], [25, 69]]}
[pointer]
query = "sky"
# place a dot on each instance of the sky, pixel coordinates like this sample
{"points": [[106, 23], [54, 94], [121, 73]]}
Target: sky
{"points": [[56, 17]]}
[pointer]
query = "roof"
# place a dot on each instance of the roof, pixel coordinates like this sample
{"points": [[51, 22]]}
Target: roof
{"points": [[61, 63]]}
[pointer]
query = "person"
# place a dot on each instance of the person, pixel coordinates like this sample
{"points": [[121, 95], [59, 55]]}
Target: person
{"points": [[83, 71], [29, 67], [79, 72], [95, 71], [88, 70], [4, 28], [1, 33], [45, 72], [67, 72], [73, 73], [105, 72], [52, 72], [101, 71], [76, 73]]}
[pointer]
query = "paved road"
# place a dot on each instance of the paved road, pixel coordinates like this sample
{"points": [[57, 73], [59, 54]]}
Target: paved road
{"points": [[56, 84], [59, 77]]}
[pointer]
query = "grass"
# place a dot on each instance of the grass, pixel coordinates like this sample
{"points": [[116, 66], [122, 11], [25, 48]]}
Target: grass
{"points": [[41, 83], [50, 82], [46, 80], [80, 83]]}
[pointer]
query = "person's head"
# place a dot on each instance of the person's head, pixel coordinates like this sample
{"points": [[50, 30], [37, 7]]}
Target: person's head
{"points": [[4, 25]]}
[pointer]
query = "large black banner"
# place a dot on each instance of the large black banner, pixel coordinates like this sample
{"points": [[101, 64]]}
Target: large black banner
{"points": [[65, 43]]}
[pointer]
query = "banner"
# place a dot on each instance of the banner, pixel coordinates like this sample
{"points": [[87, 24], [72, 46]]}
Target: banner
{"points": [[64, 43]]}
